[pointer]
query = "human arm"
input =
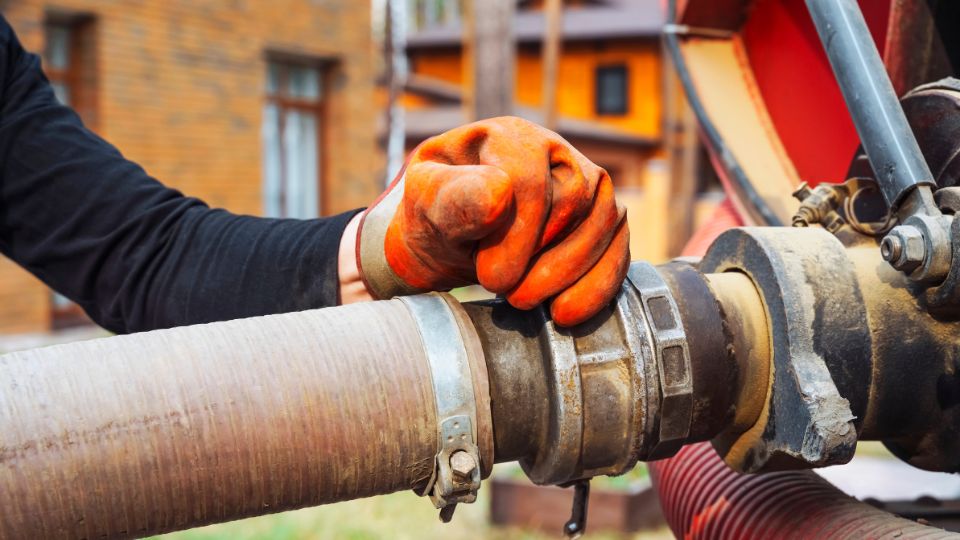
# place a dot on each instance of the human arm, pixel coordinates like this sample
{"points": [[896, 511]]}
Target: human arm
{"points": [[133, 253]]}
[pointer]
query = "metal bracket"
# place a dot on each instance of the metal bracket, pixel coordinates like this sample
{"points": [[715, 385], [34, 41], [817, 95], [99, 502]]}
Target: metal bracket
{"points": [[456, 474], [815, 311], [456, 477]]}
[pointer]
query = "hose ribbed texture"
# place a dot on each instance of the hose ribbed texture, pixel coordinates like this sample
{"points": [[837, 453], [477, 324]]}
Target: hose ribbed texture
{"points": [[704, 499], [167, 430]]}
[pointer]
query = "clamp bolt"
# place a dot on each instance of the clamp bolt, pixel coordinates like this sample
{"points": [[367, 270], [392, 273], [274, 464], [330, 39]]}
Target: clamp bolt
{"points": [[462, 464]]}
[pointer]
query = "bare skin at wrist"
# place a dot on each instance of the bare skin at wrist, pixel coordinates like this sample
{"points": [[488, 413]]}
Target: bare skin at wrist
{"points": [[352, 288]]}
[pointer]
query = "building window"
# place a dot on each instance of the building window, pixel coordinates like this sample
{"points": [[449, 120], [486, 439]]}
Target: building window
{"points": [[423, 14], [611, 90], [69, 62], [292, 128]]}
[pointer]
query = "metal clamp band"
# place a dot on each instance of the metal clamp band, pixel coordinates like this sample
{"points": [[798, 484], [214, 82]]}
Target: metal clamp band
{"points": [[456, 475], [672, 358]]}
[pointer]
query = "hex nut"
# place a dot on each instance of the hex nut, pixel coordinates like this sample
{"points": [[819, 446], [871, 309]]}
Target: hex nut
{"points": [[462, 464], [912, 248], [937, 251]]}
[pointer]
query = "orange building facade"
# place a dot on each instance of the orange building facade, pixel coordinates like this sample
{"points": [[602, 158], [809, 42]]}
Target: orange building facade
{"points": [[256, 107], [577, 73]]}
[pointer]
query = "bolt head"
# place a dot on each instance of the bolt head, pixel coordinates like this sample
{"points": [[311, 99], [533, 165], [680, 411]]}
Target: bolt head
{"points": [[462, 464], [905, 247]]}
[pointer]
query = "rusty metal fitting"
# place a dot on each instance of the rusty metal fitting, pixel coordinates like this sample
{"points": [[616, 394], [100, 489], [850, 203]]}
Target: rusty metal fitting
{"points": [[891, 248], [586, 393], [463, 465], [818, 206], [598, 378], [616, 389], [803, 276], [933, 247], [904, 248]]}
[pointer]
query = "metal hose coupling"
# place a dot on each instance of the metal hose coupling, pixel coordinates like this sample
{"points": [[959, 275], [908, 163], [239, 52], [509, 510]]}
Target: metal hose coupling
{"points": [[600, 396]]}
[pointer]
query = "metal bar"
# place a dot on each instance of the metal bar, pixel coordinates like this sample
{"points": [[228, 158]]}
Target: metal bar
{"points": [[886, 136]]}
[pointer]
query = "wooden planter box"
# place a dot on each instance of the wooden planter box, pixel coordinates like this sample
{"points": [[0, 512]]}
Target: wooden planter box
{"points": [[522, 504]]}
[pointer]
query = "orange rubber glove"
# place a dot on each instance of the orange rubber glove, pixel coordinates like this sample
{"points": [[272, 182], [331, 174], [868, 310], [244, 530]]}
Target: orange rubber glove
{"points": [[506, 204]]}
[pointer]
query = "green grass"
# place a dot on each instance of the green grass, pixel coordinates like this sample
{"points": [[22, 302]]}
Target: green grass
{"points": [[636, 478], [873, 449], [398, 516]]}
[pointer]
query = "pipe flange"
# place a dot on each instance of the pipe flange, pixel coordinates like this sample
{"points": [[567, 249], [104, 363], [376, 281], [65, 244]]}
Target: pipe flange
{"points": [[671, 356], [601, 393], [458, 465], [618, 373], [816, 315]]}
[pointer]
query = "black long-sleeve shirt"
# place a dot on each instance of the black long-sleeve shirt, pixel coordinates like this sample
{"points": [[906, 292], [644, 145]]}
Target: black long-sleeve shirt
{"points": [[134, 254]]}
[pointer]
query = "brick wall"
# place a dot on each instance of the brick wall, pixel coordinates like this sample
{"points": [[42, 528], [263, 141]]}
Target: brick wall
{"points": [[180, 91], [24, 300]]}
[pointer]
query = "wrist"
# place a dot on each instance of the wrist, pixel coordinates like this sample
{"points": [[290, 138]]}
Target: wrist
{"points": [[351, 285], [377, 273]]}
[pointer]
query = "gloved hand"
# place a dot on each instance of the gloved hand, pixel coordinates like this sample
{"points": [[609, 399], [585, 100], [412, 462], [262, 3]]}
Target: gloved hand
{"points": [[504, 203]]}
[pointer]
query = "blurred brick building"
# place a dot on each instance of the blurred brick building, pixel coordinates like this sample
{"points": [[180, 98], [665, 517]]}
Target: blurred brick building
{"points": [[258, 107]]}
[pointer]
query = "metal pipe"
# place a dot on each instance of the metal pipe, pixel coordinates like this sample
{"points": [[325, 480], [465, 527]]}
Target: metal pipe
{"points": [[901, 171], [146, 433], [756, 349]]}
